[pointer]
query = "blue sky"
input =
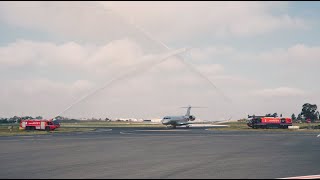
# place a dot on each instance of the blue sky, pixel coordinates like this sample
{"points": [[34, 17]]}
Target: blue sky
{"points": [[54, 53]]}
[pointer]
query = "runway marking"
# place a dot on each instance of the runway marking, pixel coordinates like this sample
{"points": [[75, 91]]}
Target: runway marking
{"points": [[26, 136], [303, 177], [125, 132], [172, 130], [102, 130], [209, 126], [318, 135], [10, 140]]}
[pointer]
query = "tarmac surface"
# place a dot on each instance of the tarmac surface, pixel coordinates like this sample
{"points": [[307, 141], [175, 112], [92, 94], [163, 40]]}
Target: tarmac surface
{"points": [[153, 153]]}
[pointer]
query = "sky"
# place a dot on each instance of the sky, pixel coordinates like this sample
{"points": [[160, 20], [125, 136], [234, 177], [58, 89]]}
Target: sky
{"points": [[58, 58]]}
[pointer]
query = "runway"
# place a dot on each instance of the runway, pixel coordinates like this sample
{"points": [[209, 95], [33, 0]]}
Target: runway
{"points": [[160, 153]]}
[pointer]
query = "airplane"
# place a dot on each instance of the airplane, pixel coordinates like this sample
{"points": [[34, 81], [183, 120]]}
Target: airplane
{"points": [[175, 121]]}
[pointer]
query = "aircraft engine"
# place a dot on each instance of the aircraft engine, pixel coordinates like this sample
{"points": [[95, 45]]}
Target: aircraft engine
{"points": [[192, 118]]}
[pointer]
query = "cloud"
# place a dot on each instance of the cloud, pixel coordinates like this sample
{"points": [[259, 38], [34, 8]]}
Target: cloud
{"points": [[25, 52], [214, 18], [297, 54], [91, 58], [39, 96], [35, 87], [212, 53], [71, 20], [108, 58], [280, 92], [168, 21]]}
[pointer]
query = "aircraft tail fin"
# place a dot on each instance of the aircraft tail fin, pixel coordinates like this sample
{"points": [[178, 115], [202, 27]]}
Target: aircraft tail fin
{"points": [[189, 109]]}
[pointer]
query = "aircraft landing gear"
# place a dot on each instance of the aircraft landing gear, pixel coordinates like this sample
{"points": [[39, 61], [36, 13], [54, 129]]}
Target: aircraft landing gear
{"points": [[187, 127], [174, 127]]}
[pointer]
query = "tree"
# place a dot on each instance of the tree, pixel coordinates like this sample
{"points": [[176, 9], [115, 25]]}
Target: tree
{"points": [[272, 115], [293, 117], [26, 117], [268, 115], [19, 120], [299, 117], [309, 111]]}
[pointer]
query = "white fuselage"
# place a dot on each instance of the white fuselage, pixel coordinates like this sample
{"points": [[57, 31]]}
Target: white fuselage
{"points": [[175, 120]]}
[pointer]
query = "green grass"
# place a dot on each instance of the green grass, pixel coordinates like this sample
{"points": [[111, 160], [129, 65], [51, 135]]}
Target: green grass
{"points": [[4, 131]]}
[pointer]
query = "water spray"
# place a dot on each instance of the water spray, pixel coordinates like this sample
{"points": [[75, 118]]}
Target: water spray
{"points": [[176, 53], [192, 68], [132, 73]]}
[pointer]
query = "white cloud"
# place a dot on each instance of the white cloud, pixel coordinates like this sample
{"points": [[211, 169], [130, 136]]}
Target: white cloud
{"points": [[297, 54], [82, 20], [166, 20], [25, 52], [210, 69], [210, 53], [105, 59], [280, 92], [91, 58], [39, 96], [217, 18], [82, 85]]}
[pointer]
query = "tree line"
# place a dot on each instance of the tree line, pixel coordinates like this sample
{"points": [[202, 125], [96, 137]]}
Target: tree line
{"points": [[308, 112], [16, 119]]}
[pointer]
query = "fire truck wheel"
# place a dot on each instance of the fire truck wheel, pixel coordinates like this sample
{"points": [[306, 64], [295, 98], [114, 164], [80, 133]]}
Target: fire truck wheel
{"points": [[47, 128]]}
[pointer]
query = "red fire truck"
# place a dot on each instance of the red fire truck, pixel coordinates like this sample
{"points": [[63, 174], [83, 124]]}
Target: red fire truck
{"points": [[39, 124], [269, 122]]}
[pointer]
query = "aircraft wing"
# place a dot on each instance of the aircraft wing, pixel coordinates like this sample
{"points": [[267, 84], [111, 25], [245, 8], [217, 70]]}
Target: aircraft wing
{"points": [[223, 121], [184, 123], [220, 121]]}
